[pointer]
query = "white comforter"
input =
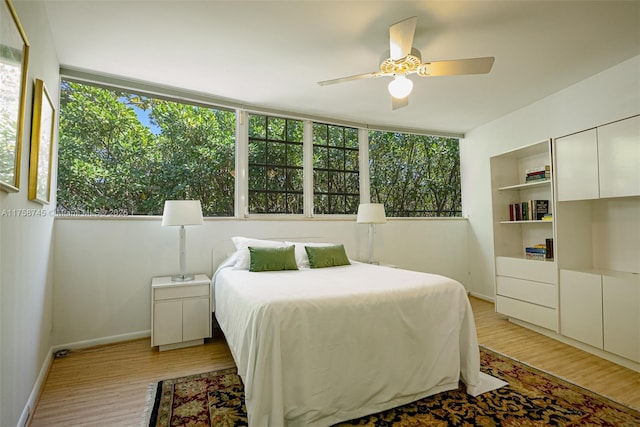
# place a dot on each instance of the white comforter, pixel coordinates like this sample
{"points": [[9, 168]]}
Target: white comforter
{"points": [[318, 346]]}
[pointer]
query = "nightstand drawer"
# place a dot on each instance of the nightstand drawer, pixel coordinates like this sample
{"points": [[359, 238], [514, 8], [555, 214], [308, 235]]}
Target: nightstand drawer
{"points": [[174, 292]]}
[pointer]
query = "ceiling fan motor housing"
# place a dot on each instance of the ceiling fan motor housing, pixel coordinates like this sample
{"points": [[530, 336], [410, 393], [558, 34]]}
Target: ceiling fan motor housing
{"points": [[407, 65]]}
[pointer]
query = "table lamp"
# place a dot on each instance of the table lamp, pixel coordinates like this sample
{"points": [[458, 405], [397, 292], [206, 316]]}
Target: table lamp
{"points": [[181, 213], [371, 213]]}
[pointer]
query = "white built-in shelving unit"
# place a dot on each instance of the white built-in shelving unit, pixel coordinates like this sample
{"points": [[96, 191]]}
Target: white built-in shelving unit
{"points": [[525, 289], [589, 294]]}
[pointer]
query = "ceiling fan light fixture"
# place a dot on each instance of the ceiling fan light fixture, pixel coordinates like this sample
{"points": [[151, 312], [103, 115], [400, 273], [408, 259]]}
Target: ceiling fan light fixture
{"points": [[400, 87]]}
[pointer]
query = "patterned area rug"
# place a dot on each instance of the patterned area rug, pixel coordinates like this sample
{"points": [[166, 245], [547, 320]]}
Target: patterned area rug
{"points": [[533, 398]]}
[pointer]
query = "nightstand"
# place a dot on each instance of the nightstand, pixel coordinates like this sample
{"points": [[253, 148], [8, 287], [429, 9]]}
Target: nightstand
{"points": [[180, 312]]}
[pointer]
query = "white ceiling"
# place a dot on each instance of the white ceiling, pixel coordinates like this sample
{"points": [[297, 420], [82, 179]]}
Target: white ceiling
{"points": [[269, 54]]}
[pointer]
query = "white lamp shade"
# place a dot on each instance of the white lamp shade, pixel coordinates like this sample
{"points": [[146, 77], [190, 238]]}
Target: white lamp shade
{"points": [[371, 213], [182, 212]]}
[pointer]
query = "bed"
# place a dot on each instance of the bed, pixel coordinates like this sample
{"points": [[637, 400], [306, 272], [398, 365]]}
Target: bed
{"points": [[316, 346]]}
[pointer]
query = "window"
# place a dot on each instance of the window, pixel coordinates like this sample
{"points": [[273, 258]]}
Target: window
{"points": [[335, 169], [275, 165], [415, 175], [127, 152]]}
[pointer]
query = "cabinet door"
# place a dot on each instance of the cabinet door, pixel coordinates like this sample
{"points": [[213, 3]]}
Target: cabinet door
{"points": [[167, 322], [581, 306], [577, 166], [196, 319], [619, 158], [621, 310]]}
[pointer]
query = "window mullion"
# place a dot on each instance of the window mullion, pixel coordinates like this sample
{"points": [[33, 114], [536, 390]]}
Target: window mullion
{"points": [[242, 161], [363, 144], [307, 170]]}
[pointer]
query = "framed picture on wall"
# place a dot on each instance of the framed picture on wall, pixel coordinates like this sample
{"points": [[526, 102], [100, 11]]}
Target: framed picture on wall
{"points": [[42, 137], [14, 59]]}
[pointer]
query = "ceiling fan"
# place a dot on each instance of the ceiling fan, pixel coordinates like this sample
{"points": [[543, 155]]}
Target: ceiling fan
{"points": [[402, 59]]}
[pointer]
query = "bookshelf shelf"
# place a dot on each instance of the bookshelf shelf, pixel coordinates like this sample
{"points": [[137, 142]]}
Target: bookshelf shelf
{"points": [[526, 185], [528, 222]]}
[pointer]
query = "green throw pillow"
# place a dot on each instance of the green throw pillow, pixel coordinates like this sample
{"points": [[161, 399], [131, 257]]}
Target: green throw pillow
{"points": [[326, 256], [272, 259]]}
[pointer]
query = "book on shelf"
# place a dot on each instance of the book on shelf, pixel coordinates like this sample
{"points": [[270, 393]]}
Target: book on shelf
{"points": [[535, 256], [531, 210], [547, 217], [543, 251], [541, 173], [549, 247], [536, 178], [540, 209], [544, 168]]}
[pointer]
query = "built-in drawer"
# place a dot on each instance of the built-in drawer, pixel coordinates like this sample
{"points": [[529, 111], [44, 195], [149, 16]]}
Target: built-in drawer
{"points": [[531, 313], [181, 292], [538, 271], [527, 290]]}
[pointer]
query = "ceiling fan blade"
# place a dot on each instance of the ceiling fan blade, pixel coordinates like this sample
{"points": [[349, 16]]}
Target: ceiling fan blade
{"points": [[457, 67], [401, 37], [350, 78], [399, 102]]}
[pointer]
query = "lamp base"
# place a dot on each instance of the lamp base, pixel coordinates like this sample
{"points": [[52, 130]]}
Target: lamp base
{"points": [[182, 278]]}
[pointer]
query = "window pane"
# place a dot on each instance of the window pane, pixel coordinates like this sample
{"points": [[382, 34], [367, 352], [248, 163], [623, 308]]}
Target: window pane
{"points": [[276, 128], [351, 160], [336, 159], [276, 153], [336, 136], [295, 130], [320, 181], [257, 178], [320, 157], [321, 203], [122, 151], [257, 126], [258, 152], [415, 175], [294, 155], [351, 138], [319, 134], [294, 179]]}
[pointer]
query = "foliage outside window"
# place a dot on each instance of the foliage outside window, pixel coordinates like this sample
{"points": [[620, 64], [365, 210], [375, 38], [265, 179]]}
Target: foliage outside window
{"points": [[123, 152], [275, 165], [335, 169], [415, 175]]}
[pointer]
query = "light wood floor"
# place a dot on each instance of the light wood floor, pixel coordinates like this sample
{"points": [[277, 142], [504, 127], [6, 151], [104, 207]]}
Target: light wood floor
{"points": [[107, 385]]}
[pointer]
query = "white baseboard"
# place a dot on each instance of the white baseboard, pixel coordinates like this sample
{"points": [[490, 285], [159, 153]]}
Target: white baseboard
{"points": [[29, 407], [482, 297], [104, 340]]}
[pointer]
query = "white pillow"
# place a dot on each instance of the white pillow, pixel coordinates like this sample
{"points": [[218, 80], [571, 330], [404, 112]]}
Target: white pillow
{"points": [[242, 244], [302, 259]]}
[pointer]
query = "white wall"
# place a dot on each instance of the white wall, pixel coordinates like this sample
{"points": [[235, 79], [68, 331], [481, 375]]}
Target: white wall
{"points": [[608, 96], [26, 279], [103, 268]]}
